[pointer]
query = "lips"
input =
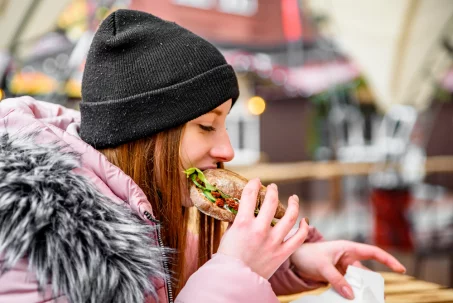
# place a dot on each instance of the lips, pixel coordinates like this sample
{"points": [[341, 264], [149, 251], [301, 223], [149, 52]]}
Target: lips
{"points": [[207, 167]]}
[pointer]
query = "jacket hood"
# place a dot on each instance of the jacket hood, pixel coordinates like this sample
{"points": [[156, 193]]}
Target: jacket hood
{"points": [[60, 210]]}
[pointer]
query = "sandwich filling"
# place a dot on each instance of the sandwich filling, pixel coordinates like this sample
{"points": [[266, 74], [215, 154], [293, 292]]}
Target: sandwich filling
{"points": [[214, 194]]}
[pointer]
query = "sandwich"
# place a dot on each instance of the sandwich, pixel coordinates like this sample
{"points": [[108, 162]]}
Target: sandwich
{"points": [[217, 193]]}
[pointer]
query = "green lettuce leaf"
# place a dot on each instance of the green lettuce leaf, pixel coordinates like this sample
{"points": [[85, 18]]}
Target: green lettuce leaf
{"points": [[193, 173], [208, 195]]}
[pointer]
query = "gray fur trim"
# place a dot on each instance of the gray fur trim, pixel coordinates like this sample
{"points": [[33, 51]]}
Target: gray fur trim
{"points": [[89, 248]]}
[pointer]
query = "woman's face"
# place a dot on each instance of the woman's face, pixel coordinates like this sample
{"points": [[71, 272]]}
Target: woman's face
{"points": [[205, 142]]}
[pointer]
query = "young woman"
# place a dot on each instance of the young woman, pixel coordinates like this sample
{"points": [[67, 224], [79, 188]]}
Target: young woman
{"points": [[94, 206]]}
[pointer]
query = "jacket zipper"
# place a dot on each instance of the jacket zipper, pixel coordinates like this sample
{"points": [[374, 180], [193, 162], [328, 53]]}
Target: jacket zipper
{"points": [[165, 263]]}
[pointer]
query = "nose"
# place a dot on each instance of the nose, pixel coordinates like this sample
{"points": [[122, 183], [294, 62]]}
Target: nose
{"points": [[222, 150]]}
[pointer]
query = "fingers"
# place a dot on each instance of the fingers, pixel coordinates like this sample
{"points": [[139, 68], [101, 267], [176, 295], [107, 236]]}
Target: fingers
{"points": [[289, 219], [338, 282], [269, 206], [248, 200], [367, 252], [298, 238]]}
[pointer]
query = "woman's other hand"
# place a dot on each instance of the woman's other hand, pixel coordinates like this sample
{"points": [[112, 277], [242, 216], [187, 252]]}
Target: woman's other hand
{"points": [[328, 261], [252, 239]]}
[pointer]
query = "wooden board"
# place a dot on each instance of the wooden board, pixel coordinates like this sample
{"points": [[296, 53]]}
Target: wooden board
{"points": [[398, 289], [307, 170], [390, 277], [409, 287], [432, 296]]}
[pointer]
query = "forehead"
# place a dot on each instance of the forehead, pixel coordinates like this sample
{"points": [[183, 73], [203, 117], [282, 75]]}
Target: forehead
{"points": [[222, 109], [216, 111]]}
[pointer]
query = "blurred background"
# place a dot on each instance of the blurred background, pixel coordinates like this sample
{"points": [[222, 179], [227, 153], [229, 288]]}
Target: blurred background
{"points": [[348, 104]]}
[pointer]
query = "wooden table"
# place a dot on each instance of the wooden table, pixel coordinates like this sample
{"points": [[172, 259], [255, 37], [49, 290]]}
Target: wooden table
{"points": [[399, 289], [332, 171], [311, 170]]}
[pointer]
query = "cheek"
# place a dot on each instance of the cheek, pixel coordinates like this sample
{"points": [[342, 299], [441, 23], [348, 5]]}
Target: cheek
{"points": [[189, 157], [194, 153]]}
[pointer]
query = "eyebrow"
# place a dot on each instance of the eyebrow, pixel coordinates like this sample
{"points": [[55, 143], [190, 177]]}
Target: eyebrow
{"points": [[216, 111]]}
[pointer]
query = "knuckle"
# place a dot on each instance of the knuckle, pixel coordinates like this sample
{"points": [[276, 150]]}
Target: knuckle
{"points": [[240, 222], [260, 231], [281, 254], [292, 217], [275, 241], [249, 192]]}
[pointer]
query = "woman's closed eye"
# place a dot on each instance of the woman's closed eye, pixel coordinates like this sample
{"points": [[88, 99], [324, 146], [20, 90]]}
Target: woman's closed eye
{"points": [[208, 128]]}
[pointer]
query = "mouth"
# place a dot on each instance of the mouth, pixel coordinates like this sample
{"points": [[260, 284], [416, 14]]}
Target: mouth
{"points": [[202, 168], [207, 167]]}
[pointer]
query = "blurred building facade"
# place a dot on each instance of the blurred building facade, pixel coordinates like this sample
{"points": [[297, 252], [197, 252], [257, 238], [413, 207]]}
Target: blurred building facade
{"points": [[274, 48], [313, 102]]}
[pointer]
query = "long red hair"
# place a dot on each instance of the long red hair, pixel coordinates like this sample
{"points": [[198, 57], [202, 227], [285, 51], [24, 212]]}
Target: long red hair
{"points": [[154, 164]]}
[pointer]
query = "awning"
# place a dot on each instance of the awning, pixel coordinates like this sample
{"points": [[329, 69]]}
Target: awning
{"points": [[398, 45], [304, 80]]}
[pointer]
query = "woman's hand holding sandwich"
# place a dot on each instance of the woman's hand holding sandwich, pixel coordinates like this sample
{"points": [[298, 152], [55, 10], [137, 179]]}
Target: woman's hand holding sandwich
{"points": [[251, 238]]}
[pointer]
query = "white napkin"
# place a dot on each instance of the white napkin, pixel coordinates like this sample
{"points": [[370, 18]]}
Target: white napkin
{"points": [[368, 287]]}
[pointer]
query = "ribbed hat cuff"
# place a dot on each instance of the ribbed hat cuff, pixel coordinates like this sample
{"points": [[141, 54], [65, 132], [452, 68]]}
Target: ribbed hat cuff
{"points": [[108, 123]]}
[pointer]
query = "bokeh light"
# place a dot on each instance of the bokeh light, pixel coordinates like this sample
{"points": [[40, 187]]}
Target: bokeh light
{"points": [[256, 105]]}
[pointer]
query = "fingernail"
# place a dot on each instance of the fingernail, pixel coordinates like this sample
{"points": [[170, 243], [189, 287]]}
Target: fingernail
{"points": [[403, 269], [347, 292], [273, 185], [296, 198], [307, 220]]}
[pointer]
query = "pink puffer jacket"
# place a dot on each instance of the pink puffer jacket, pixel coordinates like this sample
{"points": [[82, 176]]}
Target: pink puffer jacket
{"points": [[75, 228]]}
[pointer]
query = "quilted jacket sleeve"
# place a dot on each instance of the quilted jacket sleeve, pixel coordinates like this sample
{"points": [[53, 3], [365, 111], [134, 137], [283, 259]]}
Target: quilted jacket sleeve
{"points": [[226, 279]]}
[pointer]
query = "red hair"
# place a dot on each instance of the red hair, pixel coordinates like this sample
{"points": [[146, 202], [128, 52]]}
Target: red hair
{"points": [[154, 164]]}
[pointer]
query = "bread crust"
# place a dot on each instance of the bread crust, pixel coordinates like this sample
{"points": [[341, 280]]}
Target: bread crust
{"points": [[231, 184]]}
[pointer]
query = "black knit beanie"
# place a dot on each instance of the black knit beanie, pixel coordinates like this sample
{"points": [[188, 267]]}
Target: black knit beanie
{"points": [[144, 75]]}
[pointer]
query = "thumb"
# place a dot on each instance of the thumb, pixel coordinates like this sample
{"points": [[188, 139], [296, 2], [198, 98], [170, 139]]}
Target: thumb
{"points": [[338, 282]]}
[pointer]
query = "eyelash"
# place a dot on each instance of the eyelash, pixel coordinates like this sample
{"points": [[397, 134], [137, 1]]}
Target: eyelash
{"points": [[207, 127]]}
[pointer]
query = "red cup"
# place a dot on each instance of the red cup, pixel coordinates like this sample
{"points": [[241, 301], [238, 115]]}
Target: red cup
{"points": [[392, 229]]}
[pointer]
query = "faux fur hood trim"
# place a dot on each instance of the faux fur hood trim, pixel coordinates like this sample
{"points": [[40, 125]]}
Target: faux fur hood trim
{"points": [[89, 248]]}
